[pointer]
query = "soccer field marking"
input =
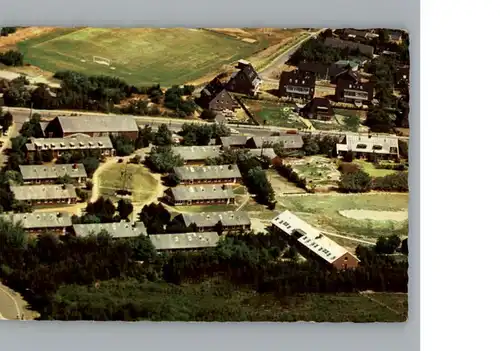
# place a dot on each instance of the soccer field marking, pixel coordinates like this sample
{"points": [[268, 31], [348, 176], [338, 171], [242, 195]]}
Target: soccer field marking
{"points": [[59, 37]]}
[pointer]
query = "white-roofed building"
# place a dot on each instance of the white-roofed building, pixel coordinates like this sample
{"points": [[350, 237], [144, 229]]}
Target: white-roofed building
{"points": [[314, 241], [362, 145]]}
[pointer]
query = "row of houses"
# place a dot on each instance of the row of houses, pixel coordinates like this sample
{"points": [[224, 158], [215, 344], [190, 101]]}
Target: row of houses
{"points": [[350, 86], [205, 235]]}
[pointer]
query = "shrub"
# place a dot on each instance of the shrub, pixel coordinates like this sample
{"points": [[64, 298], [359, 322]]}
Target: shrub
{"points": [[348, 156], [89, 185], [403, 148], [136, 159], [12, 58], [82, 194], [392, 166], [392, 182], [345, 167], [355, 182]]}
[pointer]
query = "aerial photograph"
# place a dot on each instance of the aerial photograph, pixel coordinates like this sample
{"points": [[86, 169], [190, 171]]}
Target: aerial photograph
{"points": [[204, 174]]}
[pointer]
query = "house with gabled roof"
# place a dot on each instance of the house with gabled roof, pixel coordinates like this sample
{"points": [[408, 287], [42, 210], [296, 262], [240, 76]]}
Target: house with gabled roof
{"points": [[318, 108], [226, 174], [202, 194], [351, 88], [93, 126], [117, 230], [216, 98], [49, 194], [35, 223], [313, 241], [197, 154], [232, 142], [231, 221], [385, 146], [184, 241], [290, 142], [297, 85], [77, 143], [366, 50], [245, 81], [42, 174]]}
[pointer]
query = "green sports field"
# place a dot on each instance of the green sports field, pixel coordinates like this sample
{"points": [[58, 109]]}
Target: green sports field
{"points": [[140, 56]]}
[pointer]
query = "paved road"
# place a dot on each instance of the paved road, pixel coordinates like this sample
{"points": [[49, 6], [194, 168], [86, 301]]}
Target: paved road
{"points": [[20, 115], [283, 58], [9, 306]]}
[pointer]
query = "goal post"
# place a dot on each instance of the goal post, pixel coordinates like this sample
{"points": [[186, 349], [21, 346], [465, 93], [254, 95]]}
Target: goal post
{"points": [[101, 60]]}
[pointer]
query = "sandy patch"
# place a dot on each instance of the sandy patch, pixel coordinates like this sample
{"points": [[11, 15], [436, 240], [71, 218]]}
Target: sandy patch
{"points": [[397, 216], [23, 34], [248, 40]]}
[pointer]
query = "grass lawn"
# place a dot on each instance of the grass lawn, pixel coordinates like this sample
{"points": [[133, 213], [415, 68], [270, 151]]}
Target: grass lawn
{"points": [[345, 120], [322, 211], [398, 302], [273, 113], [140, 56], [140, 182], [369, 168], [206, 208]]}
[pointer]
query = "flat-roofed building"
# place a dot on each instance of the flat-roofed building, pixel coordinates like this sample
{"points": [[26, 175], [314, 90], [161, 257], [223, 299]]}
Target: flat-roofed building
{"points": [[197, 154], [45, 194], [208, 174], [35, 223], [232, 221], [38, 174], [184, 241], [117, 230], [314, 241], [57, 146], [182, 195], [385, 146]]}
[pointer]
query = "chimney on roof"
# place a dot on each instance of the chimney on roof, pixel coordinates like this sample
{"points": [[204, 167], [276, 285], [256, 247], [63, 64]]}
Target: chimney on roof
{"points": [[75, 166], [59, 214]]}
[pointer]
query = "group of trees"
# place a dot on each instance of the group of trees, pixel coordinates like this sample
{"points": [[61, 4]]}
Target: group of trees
{"points": [[315, 50], [355, 180], [103, 210], [180, 100], [12, 58], [162, 159], [252, 170], [5, 31], [46, 266], [320, 144], [200, 134], [289, 173]]}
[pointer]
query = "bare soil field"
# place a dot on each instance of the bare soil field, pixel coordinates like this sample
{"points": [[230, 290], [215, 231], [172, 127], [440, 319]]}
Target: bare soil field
{"points": [[21, 34]]}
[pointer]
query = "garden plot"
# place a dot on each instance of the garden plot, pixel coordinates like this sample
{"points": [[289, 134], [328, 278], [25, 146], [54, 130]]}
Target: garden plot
{"points": [[319, 171]]}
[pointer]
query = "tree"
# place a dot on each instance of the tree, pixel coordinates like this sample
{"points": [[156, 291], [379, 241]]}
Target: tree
{"points": [[163, 160], [125, 208], [14, 177], [123, 145], [12, 236], [379, 120], [188, 90], [32, 128], [82, 194], [6, 120], [102, 208], [145, 137], [21, 207], [91, 164], [387, 245], [208, 114], [404, 246], [355, 182], [65, 179], [163, 136], [12, 58]]}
